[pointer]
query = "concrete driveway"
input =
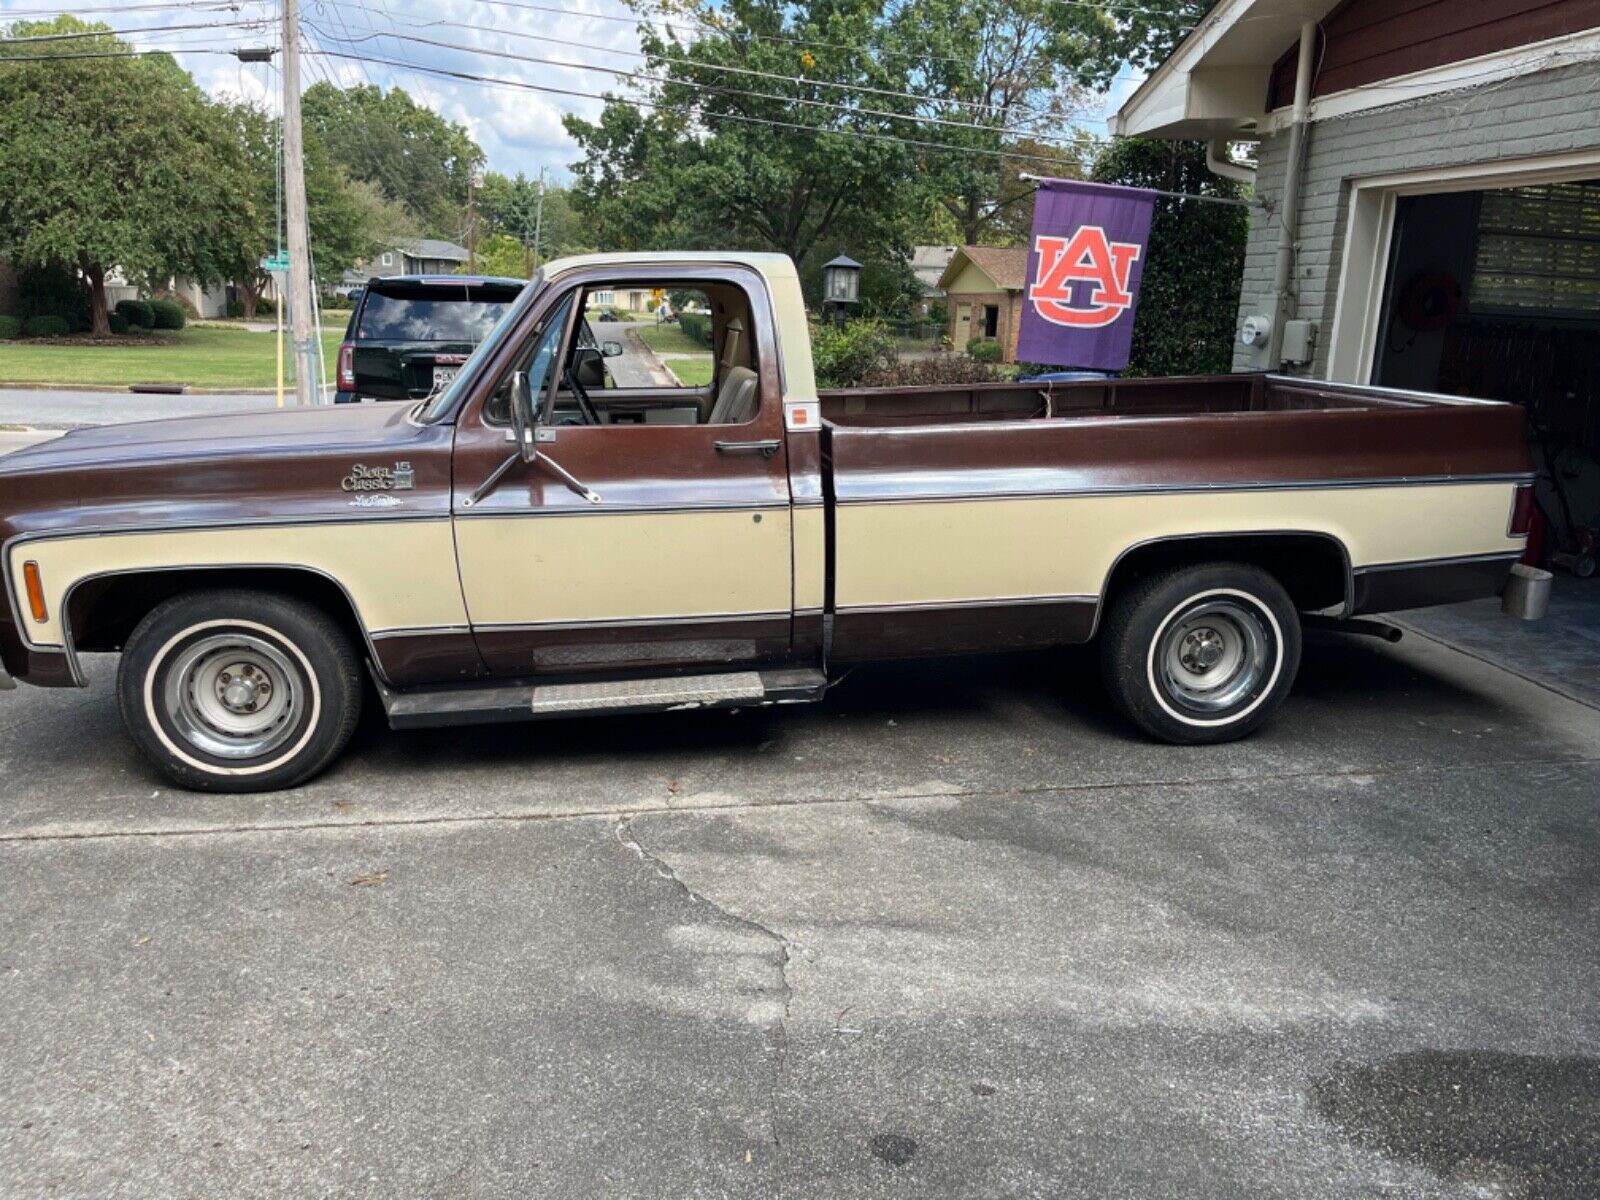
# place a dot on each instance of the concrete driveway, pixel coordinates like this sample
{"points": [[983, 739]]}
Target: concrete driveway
{"points": [[955, 933]]}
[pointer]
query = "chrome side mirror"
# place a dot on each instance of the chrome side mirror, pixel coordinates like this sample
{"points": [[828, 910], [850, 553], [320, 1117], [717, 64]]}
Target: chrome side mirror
{"points": [[523, 418]]}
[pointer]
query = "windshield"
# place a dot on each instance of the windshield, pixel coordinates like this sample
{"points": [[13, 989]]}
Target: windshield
{"points": [[433, 314], [444, 402]]}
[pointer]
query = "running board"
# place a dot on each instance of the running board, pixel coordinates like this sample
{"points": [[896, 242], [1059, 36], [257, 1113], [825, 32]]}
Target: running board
{"points": [[418, 708]]}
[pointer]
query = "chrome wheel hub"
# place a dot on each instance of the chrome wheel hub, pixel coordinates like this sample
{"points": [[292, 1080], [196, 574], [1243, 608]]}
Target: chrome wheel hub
{"points": [[1213, 655], [233, 695]]}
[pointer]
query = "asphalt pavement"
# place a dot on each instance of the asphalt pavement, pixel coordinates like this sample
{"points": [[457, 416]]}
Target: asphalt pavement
{"points": [[956, 932], [57, 408]]}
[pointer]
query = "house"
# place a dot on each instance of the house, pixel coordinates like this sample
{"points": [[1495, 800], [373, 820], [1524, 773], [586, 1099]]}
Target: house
{"points": [[639, 300], [928, 264], [421, 256], [984, 285], [1428, 177]]}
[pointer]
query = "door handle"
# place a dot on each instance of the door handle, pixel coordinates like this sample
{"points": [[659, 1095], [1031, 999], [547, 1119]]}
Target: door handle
{"points": [[765, 449]]}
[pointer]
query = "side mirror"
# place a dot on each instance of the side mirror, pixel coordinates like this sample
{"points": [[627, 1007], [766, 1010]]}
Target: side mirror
{"points": [[523, 418], [611, 349]]}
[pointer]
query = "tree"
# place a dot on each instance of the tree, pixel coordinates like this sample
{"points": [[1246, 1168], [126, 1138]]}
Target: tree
{"points": [[116, 162], [1189, 292], [408, 151], [501, 254]]}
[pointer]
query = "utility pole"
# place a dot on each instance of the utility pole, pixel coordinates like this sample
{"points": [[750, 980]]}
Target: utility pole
{"points": [[306, 359], [538, 220], [472, 219]]}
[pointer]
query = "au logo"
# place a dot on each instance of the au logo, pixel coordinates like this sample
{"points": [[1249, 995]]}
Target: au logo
{"points": [[362, 478], [1087, 257]]}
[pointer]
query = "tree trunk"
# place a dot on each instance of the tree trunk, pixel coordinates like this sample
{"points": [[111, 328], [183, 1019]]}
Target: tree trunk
{"points": [[972, 222], [99, 313], [251, 297]]}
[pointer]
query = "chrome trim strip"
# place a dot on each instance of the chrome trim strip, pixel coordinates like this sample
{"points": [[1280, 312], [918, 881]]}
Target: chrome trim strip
{"points": [[1370, 389], [1449, 561], [629, 622], [378, 635], [958, 493], [947, 605], [608, 509], [212, 526]]}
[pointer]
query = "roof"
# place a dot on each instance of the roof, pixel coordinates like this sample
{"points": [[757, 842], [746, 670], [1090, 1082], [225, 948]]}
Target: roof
{"points": [[1006, 265], [434, 248], [928, 264], [443, 280], [844, 260]]}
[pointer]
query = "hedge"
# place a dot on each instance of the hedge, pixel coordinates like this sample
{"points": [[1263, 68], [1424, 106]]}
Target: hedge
{"points": [[118, 323], [697, 326], [47, 326], [168, 314], [984, 350], [10, 327], [137, 312]]}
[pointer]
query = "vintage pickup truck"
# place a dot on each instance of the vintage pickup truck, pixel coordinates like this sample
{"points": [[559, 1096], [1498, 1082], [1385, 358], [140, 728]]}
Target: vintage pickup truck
{"points": [[525, 545]]}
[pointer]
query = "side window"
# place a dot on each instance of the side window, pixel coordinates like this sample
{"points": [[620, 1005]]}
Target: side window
{"points": [[538, 359]]}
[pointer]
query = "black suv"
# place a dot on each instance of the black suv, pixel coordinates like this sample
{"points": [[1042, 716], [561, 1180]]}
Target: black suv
{"points": [[409, 334]]}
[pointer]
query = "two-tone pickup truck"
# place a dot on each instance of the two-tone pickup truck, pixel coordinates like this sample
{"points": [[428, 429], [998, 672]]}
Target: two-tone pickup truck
{"points": [[526, 545]]}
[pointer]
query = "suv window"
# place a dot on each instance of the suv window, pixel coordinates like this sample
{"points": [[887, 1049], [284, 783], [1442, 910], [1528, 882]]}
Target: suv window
{"points": [[432, 314]]}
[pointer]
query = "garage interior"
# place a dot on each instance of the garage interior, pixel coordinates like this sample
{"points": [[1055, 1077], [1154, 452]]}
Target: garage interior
{"points": [[1496, 294]]}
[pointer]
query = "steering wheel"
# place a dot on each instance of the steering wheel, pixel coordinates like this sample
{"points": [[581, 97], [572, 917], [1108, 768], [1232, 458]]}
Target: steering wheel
{"points": [[585, 405]]}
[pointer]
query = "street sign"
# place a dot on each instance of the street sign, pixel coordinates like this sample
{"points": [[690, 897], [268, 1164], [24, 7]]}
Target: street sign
{"points": [[275, 262]]}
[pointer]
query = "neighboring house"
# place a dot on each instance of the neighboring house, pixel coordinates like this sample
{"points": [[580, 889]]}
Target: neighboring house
{"points": [[1440, 227], [928, 264], [633, 299], [420, 256], [984, 287]]}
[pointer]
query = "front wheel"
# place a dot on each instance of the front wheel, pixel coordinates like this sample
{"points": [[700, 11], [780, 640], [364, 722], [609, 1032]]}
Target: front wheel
{"points": [[239, 691], [1201, 654]]}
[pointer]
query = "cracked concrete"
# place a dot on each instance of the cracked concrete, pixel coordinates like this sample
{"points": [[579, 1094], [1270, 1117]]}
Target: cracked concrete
{"points": [[953, 933]]}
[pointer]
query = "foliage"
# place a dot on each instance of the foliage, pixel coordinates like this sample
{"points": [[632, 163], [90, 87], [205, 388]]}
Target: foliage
{"points": [[409, 152], [696, 327], [931, 371], [167, 314], [46, 326], [1189, 293], [117, 323], [10, 327], [511, 206], [51, 289], [501, 254], [843, 358], [113, 162], [137, 312], [984, 350]]}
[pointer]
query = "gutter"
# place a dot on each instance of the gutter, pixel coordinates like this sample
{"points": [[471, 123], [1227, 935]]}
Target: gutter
{"points": [[1289, 210], [1219, 164]]}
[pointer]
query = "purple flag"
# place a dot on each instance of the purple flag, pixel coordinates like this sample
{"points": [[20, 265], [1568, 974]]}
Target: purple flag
{"points": [[1089, 243]]}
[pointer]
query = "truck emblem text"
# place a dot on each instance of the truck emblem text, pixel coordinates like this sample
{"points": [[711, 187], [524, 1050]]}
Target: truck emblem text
{"points": [[362, 478], [1088, 256]]}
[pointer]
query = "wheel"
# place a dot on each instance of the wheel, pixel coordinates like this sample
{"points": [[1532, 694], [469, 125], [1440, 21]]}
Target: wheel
{"points": [[1201, 654], [239, 691]]}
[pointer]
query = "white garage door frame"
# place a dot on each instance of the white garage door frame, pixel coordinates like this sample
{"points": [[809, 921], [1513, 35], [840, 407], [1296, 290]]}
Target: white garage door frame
{"points": [[1357, 313]]}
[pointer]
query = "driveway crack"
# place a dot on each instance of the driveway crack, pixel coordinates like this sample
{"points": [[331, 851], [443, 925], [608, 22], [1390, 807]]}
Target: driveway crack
{"points": [[778, 1030]]}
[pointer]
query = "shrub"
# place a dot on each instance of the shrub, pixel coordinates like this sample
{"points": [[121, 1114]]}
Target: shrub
{"points": [[845, 357], [47, 326], [168, 314], [137, 312], [53, 291], [932, 371], [233, 308], [118, 323], [10, 327], [696, 326], [984, 350]]}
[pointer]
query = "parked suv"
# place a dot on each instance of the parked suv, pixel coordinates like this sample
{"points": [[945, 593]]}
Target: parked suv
{"points": [[409, 334]]}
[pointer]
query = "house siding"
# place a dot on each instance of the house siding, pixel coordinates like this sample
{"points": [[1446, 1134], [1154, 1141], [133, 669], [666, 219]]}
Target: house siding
{"points": [[1544, 113]]}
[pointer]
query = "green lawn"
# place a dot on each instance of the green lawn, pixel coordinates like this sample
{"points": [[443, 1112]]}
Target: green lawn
{"points": [[201, 356], [695, 372], [669, 339]]}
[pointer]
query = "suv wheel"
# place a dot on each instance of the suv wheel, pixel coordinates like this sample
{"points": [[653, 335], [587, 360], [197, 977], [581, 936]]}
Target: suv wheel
{"points": [[1201, 654], [238, 691]]}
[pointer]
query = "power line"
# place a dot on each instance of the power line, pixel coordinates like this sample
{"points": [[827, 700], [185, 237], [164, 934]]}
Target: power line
{"points": [[195, 6], [38, 58], [156, 29]]}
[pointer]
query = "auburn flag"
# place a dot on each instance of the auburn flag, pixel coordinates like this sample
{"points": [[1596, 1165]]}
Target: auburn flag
{"points": [[1089, 243]]}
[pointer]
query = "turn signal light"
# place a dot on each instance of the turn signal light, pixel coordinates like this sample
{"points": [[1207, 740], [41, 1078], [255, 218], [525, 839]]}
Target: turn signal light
{"points": [[30, 580], [1521, 511], [347, 367]]}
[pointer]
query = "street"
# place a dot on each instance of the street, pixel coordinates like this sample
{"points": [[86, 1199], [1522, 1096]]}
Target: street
{"points": [[956, 931]]}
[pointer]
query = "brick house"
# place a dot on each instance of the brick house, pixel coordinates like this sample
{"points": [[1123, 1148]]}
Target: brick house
{"points": [[984, 286]]}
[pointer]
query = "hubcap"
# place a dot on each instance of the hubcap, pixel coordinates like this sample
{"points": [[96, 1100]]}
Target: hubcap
{"points": [[233, 695], [1213, 655]]}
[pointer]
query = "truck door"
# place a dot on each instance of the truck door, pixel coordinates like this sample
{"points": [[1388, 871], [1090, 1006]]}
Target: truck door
{"points": [[632, 545]]}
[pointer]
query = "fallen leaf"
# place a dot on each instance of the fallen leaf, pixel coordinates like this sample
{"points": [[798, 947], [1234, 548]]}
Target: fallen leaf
{"points": [[370, 879], [674, 786], [142, 941]]}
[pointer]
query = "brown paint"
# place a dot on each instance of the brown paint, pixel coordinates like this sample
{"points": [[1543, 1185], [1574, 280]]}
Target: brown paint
{"points": [[923, 632], [1420, 585]]}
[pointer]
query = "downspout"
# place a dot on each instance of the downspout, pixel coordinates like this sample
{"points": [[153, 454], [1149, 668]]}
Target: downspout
{"points": [[1289, 208]]}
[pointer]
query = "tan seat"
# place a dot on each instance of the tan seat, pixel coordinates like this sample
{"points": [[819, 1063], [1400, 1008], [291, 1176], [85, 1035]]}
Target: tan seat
{"points": [[737, 398]]}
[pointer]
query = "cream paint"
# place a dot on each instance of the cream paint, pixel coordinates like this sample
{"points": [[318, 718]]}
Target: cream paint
{"points": [[810, 556], [624, 566], [399, 574], [939, 552]]}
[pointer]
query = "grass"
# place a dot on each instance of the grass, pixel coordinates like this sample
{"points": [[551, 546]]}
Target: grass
{"points": [[669, 339], [694, 372], [206, 356]]}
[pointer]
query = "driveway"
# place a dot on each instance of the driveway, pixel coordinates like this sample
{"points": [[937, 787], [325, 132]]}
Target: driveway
{"points": [[53, 408], [956, 932]]}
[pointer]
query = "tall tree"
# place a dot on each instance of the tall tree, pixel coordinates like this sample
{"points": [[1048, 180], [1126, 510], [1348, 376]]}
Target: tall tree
{"points": [[114, 162]]}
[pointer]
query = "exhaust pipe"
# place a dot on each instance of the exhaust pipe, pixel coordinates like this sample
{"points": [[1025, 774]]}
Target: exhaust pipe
{"points": [[1527, 594]]}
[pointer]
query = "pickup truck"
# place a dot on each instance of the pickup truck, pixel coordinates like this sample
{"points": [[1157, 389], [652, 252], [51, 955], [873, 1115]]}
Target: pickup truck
{"points": [[526, 545]]}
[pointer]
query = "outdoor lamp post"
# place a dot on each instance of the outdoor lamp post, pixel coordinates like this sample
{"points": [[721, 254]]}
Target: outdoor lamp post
{"points": [[841, 286]]}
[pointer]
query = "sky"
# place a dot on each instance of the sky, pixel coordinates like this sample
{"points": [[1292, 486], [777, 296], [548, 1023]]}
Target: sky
{"points": [[519, 130]]}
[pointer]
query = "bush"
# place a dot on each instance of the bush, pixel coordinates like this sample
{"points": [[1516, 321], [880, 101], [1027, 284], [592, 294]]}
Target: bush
{"points": [[137, 312], [53, 291], [48, 326], [845, 358], [168, 314], [233, 308], [118, 323], [696, 326], [932, 371], [10, 327], [984, 350]]}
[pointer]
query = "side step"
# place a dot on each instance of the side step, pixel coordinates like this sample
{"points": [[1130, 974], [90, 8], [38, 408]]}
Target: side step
{"points": [[418, 708]]}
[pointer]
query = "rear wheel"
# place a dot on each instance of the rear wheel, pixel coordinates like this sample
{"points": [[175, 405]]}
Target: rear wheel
{"points": [[238, 691], [1201, 654]]}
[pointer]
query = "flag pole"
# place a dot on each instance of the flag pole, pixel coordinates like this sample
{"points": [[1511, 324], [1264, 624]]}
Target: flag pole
{"points": [[1028, 177]]}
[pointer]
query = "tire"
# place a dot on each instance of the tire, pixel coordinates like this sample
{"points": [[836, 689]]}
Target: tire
{"points": [[239, 691], [1201, 654]]}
